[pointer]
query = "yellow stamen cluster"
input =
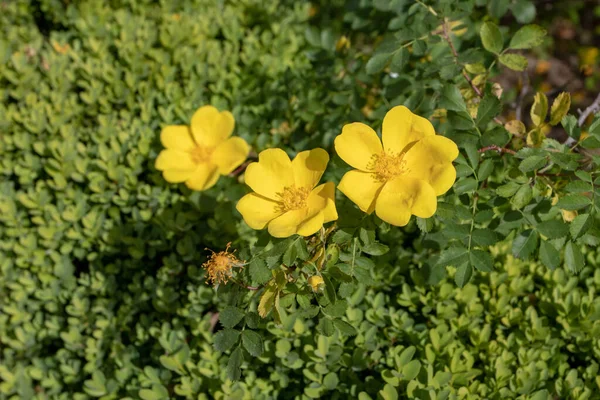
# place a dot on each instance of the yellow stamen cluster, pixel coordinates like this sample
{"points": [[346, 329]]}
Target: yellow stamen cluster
{"points": [[219, 266], [386, 166], [201, 154], [293, 198]]}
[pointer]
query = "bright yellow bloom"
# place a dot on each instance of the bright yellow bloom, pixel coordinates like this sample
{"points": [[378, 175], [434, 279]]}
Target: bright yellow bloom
{"points": [[315, 282], [285, 198], [402, 177], [198, 154]]}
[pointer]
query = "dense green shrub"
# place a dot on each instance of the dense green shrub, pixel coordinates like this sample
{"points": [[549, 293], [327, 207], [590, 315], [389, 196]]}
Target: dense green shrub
{"points": [[101, 286]]}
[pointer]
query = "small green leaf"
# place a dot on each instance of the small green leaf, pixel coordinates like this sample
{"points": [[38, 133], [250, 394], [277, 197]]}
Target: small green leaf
{"points": [[375, 249], [389, 392], [377, 63], [572, 202], [331, 381], [463, 275], [259, 273], [481, 260], [539, 109], [454, 256], [406, 355], [399, 60], [489, 107], [253, 342], [230, 316], [560, 108], [569, 122], [515, 127], [580, 225], [508, 189], [573, 257], [491, 37], [225, 339], [344, 327], [516, 62], [525, 244], [411, 370], [549, 256], [527, 37], [329, 289], [532, 163], [326, 327], [553, 229], [522, 197], [451, 99], [233, 364]]}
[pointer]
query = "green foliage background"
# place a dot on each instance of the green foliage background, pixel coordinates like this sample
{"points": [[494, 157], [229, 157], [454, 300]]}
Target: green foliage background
{"points": [[101, 287]]}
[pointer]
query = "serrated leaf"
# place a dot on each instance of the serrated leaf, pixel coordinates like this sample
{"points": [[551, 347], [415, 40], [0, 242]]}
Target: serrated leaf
{"points": [[329, 289], [516, 62], [532, 163], [525, 244], [336, 309], [233, 364], [225, 339], [375, 249], [508, 189], [463, 275], [549, 256], [326, 327], [491, 37], [399, 60], [573, 258], [252, 342], [560, 108], [573, 202], [259, 273], [489, 107], [527, 37], [451, 99], [539, 109], [377, 63], [484, 237], [453, 256], [481, 260], [580, 225], [344, 327], [267, 301], [230, 316], [569, 122], [522, 197], [553, 229], [515, 127]]}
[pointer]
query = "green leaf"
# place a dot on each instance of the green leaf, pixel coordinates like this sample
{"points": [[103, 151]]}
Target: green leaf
{"points": [[573, 202], [463, 275], [489, 107], [234, 363], [491, 37], [157, 392], [451, 99], [454, 256], [560, 108], [96, 387], [481, 260], [225, 339], [532, 163], [466, 185], [411, 370], [399, 60], [522, 197], [580, 225], [329, 289], [497, 136], [516, 62], [230, 316], [527, 37], [406, 355], [508, 189], [549, 256], [345, 328], [259, 273], [336, 309], [525, 244], [484, 237], [375, 249], [252, 320], [515, 127], [326, 327], [573, 257], [553, 229], [253, 342], [569, 122], [377, 63], [539, 109], [331, 381]]}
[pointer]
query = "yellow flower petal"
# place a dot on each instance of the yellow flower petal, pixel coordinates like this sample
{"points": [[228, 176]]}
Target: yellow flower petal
{"points": [[203, 178], [271, 174], [311, 225], [174, 159], [257, 210], [401, 127], [357, 144], [177, 175], [177, 137], [431, 159], [287, 224], [230, 154], [309, 166], [404, 196], [361, 188], [211, 127], [322, 198]]}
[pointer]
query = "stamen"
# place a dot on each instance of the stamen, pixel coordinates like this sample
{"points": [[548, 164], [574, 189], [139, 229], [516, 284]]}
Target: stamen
{"points": [[219, 266], [201, 154], [387, 165], [293, 198]]}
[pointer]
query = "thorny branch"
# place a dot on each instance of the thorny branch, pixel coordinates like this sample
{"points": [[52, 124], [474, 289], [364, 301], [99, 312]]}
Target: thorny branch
{"points": [[497, 148]]}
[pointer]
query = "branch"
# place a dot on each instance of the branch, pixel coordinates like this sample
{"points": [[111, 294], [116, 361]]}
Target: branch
{"points": [[497, 148], [592, 108]]}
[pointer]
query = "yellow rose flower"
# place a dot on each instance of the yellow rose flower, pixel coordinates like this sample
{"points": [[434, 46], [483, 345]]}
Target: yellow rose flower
{"points": [[402, 177], [198, 154], [315, 282], [285, 198]]}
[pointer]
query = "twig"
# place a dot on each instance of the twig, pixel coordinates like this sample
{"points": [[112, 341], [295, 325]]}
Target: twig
{"points": [[524, 91], [497, 148], [240, 169], [592, 108]]}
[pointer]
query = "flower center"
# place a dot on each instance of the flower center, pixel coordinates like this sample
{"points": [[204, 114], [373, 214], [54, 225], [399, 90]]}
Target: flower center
{"points": [[386, 166], [293, 198], [201, 154]]}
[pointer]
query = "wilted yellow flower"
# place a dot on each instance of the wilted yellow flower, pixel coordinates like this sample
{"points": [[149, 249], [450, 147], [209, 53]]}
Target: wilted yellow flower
{"points": [[219, 266], [285, 198], [198, 154], [403, 176], [315, 282]]}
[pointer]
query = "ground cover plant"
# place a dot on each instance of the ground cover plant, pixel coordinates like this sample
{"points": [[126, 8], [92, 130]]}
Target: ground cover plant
{"points": [[338, 199]]}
